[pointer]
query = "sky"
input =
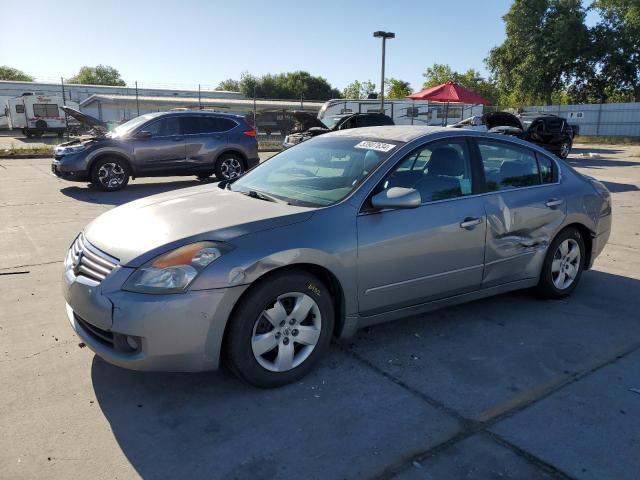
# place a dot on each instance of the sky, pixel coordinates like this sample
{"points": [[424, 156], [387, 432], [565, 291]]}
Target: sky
{"points": [[189, 42]]}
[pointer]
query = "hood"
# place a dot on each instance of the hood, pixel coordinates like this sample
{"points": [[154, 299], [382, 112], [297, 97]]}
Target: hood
{"points": [[85, 119], [206, 212], [306, 120], [500, 119]]}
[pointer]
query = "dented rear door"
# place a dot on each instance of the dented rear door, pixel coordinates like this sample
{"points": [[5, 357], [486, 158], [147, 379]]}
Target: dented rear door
{"points": [[524, 208]]}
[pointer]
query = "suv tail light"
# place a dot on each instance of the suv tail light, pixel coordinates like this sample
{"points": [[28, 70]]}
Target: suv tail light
{"points": [[250, 133]]}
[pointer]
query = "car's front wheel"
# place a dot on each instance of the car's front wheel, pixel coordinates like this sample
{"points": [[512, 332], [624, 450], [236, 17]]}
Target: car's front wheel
{"points": [[280, 329], [110, 174], [563, 265], [229, 166]]}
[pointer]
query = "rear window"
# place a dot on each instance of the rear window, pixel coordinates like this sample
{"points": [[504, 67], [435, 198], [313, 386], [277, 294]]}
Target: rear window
{"points": [[45, 110], [554, 125]]}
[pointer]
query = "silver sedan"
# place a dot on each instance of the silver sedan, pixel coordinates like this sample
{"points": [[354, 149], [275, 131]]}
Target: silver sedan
{"points": [[347, 230]]}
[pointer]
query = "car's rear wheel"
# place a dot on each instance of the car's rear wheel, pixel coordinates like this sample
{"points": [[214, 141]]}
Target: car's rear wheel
{"points": [[563, 265], [229, 166], [280, 329], [110, 174], [565, 149]]}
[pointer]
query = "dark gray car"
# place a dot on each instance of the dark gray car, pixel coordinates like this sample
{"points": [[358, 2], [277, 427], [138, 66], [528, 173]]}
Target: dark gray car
{"points": [[343, 231], [158, 144]]}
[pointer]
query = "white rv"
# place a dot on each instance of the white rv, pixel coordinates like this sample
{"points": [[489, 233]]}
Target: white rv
{"points": [[403, 112], [36, 114]]}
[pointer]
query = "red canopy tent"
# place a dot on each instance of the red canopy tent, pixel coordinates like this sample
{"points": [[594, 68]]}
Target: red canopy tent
{"points": [[449, 92]]}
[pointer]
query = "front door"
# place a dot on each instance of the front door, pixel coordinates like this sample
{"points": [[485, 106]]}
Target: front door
{"points": [[412, 256], [524, 207], [162, 153]]}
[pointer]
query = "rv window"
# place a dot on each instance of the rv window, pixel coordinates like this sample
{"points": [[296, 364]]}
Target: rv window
{"points": [[412, 111], [45, 110], [19, 108]]}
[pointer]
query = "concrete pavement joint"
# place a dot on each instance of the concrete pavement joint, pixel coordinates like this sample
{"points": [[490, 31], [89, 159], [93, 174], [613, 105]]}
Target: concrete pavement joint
{"points": [[470, 427], [31, 265]]}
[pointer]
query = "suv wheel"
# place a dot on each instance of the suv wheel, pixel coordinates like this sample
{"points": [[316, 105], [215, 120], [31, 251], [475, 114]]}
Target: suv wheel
{"points": [[280, 329], [229, 166], [565, 149], [563, 265], [110, 174]]}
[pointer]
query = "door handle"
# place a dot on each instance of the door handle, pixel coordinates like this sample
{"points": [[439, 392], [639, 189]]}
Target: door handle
{"points": [[553, 202], [470, 222]]}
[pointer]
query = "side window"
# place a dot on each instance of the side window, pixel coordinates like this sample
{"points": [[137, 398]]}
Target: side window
{"points": [[547, 173], [216, 124], [438, 171], [19, 108], [164, 127], [190, 125], [508, 166]]}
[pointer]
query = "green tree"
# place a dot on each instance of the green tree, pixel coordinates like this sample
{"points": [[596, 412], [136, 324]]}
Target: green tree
{"points": [[9, 73], [229, 85], [542, 51], [437, 74], [358, 90], [397, 89], [99, 75], [290, 85]]}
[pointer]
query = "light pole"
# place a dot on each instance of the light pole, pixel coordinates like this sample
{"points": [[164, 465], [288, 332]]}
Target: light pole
{"points": [[384, 36]]}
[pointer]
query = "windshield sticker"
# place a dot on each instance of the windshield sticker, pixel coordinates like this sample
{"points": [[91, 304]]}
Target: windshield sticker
{"points": [[380, 147]]}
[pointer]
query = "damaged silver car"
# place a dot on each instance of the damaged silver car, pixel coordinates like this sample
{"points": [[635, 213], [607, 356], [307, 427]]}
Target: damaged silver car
{"points": [[343, 231]]}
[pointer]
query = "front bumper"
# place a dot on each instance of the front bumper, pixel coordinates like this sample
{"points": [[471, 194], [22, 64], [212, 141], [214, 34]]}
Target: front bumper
{"points": [[175, 332], [68, 172]]}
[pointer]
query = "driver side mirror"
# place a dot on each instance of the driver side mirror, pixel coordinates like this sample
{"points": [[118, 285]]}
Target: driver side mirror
{"points": [[143, 135], [397, 197]]}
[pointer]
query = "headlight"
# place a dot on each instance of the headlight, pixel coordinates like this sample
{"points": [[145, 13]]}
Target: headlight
{"points": [[69, 149], [173, 272]]}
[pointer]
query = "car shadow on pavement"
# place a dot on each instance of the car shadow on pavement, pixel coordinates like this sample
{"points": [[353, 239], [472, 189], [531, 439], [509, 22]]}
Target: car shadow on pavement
{"points": [[615, 187], [599, 151], [480, 359], [587, 162], [131, 192]]}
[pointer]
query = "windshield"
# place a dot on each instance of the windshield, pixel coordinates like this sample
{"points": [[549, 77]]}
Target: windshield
{"points": [[318, 172], [330, 122], [127, 127]]}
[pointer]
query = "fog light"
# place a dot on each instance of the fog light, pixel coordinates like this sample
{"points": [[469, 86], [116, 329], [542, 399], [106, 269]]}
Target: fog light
{"points": [[132, 342]]}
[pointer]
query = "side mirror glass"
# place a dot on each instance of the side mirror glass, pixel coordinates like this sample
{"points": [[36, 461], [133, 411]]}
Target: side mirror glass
{"points": [[397, 197], [143, 135]]}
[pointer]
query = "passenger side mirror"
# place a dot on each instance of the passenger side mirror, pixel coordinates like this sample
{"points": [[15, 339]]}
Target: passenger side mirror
{"points": [[143, 135], [397, 197]]}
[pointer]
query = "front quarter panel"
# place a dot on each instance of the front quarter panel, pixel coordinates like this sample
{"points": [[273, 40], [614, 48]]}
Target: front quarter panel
{"points": [[327, 239]]}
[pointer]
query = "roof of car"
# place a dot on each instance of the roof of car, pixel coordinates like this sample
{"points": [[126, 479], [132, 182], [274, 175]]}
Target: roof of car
{"points": [[198, 112], [397, 133]]}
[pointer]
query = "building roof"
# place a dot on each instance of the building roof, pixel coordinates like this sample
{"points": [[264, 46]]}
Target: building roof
{"points": [[222, 103]]}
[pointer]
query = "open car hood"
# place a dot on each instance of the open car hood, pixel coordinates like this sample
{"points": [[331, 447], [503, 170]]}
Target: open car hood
{"points": [[85, 119], [501, 119], [306, 120]]}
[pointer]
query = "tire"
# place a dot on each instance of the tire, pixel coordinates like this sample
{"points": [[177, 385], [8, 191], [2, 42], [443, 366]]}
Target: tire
{"points": [[228, 166], [565, 149], [285, 358], [562, 269], [110, 174]]}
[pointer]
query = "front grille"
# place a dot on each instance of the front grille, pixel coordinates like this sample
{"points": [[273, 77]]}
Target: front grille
{"points": [[87, 261]]}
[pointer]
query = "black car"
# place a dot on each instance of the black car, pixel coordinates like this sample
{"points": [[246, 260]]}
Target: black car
{"points": [[548, 131], [309, 126], [158, 144]]}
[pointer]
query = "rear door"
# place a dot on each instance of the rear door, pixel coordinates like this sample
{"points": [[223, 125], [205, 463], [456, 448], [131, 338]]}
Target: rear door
{"points": [[524, 207], [206, 138], [164, 152]]}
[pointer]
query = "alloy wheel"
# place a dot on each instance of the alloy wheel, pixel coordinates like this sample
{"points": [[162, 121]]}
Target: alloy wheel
{"points": [[230, 168], [565, 149], [286, 333], [566, 264], [111, 175]]}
